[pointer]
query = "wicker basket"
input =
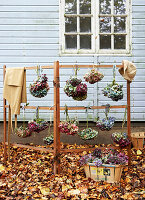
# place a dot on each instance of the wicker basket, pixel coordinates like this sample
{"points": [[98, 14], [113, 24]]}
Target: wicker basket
{"points": [[138, 139], [108, 173]]}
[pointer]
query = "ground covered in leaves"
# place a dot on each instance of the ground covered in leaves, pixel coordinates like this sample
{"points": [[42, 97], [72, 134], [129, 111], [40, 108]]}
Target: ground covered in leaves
{"points": [[30, 176]]}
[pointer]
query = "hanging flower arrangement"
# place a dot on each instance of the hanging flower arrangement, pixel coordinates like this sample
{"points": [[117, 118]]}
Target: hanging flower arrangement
{"points": [[113, 90], [69, 127], [40, 87], [37, 124], [93, 76], [75, 88], [121, 139], [88, 133], [48, 140], [107, 123], [22, 131]]}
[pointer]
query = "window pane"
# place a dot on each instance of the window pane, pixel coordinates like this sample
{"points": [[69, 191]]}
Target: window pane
{"points": [[105, 42], [105, 24], [70, 6], [119, 6], [85, 41], [70, 24], [85, 24], [105, 6], [85, 6], [70, 41], [119, 24], [119, 42]]}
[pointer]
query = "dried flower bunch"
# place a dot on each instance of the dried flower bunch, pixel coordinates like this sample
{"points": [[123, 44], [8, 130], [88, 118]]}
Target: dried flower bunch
{"points": [[113, 91], [40, 87], [88, 134], [22, 131], [68, 126], [121, 139], [93, 76], [48, 140], [76, 89], [107, 156], [37, 125], [106, 123]]}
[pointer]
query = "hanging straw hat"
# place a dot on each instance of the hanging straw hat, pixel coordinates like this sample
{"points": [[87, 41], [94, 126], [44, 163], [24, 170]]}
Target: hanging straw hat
{"points": [[128, 71]]}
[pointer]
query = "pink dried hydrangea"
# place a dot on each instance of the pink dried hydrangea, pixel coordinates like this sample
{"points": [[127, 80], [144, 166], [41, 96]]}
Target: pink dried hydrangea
{"points": [[68, 128]]}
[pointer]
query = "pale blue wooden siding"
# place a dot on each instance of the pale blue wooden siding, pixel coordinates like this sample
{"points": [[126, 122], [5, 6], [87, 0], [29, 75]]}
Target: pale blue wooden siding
{"points": [[29, 35]]}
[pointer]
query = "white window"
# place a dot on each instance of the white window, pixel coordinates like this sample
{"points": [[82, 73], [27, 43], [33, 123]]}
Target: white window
{"points": [[95, 26]]}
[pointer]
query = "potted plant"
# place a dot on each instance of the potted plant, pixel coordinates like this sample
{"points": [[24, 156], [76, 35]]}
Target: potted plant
{"points": [[104, 164], [93, 76], [106, 123], [121, 139], [40, 87], [68, 126]]}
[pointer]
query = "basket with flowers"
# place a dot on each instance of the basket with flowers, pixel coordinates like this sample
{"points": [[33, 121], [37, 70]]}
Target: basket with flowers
{"points": [[37, 124], [107, 123], [69, 127], [107, 165], [48, 140], [40, 87], [113, 90], [93, 76], [75, 88]]}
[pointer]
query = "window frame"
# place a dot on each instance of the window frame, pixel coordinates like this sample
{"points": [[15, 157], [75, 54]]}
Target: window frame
{"points": [[95, 31]]}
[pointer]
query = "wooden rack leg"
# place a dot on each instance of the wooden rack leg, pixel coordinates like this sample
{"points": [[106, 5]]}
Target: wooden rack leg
{"points": [[128, 122], [5, 119], [56, 119], [9, 132], [15, 121]]}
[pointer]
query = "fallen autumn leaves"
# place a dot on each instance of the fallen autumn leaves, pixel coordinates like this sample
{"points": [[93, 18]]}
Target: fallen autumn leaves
{"points": [[29, 176]]}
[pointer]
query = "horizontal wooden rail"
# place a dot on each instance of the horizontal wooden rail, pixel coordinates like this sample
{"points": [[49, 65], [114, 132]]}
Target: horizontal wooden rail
{"points": [[87, 149], [32, 147], [71, 108], [89, 66]]}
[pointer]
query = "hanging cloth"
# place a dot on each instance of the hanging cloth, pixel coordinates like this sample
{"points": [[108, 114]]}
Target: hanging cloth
{"points": [[15, 88], [128, 71]]}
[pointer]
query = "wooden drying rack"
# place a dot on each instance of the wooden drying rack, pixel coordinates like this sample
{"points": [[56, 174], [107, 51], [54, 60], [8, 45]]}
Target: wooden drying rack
{"points": [[56, 109]]}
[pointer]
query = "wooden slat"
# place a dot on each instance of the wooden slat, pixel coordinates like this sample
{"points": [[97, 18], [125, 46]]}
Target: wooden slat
{"points": [[9, 132], [128, 122], [89, 66], [4, 118], [31, 147]]}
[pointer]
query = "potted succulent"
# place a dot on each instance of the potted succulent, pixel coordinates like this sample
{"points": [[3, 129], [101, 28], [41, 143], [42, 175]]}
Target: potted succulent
{"points": [[75, 88], [40, 87], [121, 139], [106, 123], [104, 164], [113, 90], [93, 76], [68, 126], [88, 133], [37, 124]]}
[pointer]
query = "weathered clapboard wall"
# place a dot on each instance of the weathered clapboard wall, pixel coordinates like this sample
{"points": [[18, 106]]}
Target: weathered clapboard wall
{"points": [[29, 35]]}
